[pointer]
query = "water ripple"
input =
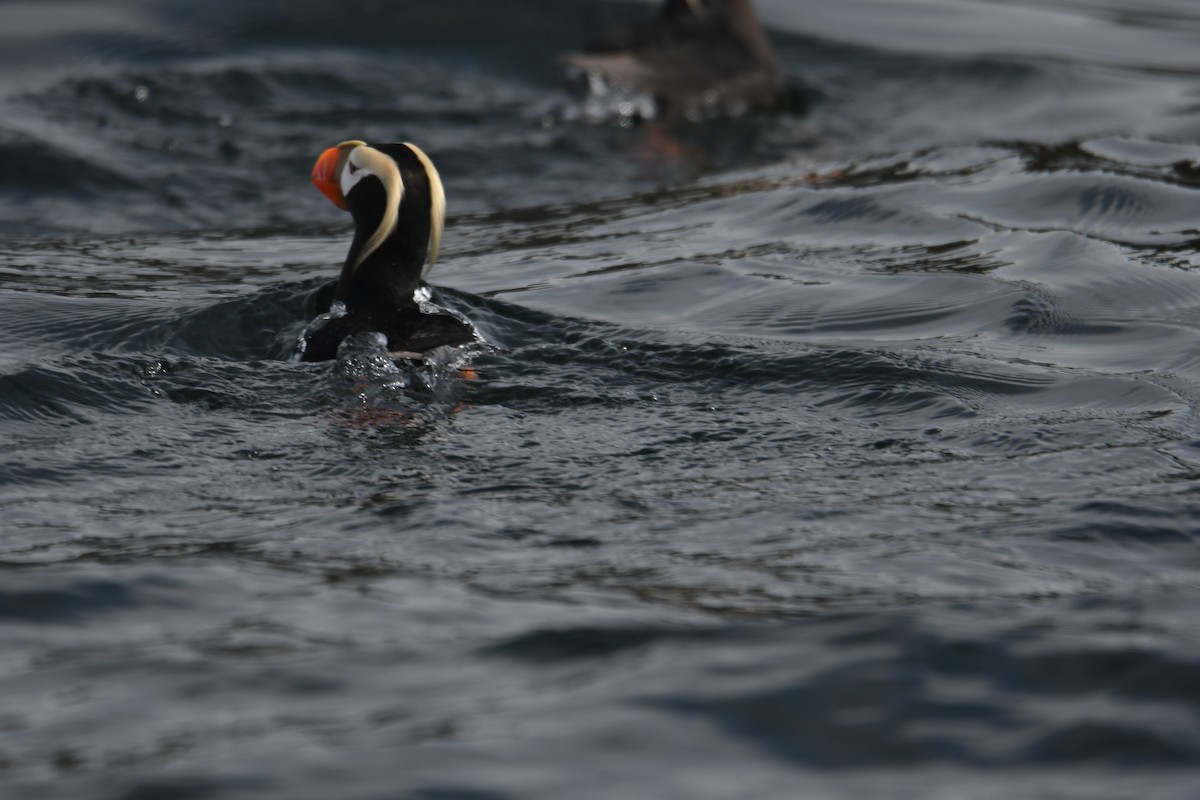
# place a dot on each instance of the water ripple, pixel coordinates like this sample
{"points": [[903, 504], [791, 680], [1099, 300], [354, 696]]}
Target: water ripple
{"points": [[849, 453]]}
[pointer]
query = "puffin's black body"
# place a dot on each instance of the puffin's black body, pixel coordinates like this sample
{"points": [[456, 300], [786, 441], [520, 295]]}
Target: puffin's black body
{"points": [[395, 197], [697, 59], [410, 332]]}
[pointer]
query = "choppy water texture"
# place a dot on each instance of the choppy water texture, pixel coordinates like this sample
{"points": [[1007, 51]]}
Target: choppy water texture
{"points": [[847, 454]]}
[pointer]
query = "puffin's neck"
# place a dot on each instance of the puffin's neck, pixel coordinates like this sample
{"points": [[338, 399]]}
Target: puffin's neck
{"points": [[386, 279]]}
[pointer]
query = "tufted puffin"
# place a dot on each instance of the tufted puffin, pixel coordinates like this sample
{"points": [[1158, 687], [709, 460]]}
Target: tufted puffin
{"points": [[395, 196], [696, 60]]}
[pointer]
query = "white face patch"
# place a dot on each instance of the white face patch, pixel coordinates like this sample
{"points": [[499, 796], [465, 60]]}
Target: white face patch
{"points": [[353, 171]]}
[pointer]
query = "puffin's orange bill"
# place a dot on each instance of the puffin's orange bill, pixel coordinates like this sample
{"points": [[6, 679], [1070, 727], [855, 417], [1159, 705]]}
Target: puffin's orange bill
{"points": [[325, 176]]}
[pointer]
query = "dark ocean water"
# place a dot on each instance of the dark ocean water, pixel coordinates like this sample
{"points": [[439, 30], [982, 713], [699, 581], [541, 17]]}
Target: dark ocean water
{"points": [[851, 453]]}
